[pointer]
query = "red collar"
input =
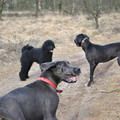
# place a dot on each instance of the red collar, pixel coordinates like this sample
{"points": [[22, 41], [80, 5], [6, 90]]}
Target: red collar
{"points": [[49, 82]]}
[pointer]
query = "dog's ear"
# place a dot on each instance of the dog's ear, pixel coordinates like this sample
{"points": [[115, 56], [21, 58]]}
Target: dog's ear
{"points": [[85, 36], [47, 65]]}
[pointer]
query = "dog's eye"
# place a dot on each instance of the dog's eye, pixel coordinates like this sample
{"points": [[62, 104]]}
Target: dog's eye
{"points": [[64, 67]]}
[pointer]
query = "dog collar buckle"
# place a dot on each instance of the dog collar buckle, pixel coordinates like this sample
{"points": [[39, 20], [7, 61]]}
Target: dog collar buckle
{"points": [[49, 82], [59, 91]]}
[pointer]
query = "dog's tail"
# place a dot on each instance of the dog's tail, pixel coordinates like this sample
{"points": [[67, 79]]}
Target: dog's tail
{"points": [[26, 47]]}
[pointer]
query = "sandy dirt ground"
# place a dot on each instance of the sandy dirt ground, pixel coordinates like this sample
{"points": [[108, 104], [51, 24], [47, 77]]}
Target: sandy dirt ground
{"points": [[78, 102]]}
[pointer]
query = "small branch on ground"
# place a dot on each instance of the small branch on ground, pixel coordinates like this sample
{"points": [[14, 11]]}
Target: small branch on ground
{"points": [[116, 89], [89, 99]]}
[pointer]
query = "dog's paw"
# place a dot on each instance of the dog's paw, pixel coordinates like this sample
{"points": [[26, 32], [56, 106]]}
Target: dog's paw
{"points": [[27, 77], [23, 79], [89, 84]]}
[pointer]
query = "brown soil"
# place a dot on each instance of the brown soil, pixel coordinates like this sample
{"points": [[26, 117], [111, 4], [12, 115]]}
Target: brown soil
{"points": [[78, 102]]}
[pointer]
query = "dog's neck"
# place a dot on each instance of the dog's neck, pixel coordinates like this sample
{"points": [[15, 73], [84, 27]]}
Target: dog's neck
{"points": [[86, 45], [83, 41], [50, 76], [51, 80], [47, 81]]}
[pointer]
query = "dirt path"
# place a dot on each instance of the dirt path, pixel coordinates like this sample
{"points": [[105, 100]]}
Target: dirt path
{"points": [[78, 102]]}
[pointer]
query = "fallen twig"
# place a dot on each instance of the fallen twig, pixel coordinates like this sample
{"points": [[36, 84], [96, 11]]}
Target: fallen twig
{"points": [[89, 99], [103, 91]]}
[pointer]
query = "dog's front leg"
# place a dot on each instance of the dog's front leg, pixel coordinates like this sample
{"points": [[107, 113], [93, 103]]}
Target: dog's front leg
{"points": [[92, 68]]}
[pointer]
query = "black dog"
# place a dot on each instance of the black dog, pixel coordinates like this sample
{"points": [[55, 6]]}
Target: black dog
{"points": [[39, 55], [38, 100], [97, 53]]}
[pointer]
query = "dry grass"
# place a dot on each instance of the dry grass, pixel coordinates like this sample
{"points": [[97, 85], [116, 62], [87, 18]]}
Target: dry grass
{"points": [[16, 32]]}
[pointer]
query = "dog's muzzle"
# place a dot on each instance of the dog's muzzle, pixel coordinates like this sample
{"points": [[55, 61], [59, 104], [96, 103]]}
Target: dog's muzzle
{"points": [[77, 43], [76, 73], [77, 70]]}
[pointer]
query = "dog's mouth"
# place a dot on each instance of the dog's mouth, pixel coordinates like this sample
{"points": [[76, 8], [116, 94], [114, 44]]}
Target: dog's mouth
{"points": [[71, 79], [78, 45]]}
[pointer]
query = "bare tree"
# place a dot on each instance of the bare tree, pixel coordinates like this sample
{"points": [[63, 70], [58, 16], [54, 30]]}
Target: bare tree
{"points": [[73, 6], [2, 2], [54, 5], [94, 9], [37, 8], [60, 6]]}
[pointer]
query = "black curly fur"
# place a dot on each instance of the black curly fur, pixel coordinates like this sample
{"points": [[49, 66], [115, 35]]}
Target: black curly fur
{"points": [[27, 47], [31, 54]]}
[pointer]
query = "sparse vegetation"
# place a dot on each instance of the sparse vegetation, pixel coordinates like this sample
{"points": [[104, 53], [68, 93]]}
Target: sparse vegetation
{"points": [[59, 28], [18, 31], [61, 21]]}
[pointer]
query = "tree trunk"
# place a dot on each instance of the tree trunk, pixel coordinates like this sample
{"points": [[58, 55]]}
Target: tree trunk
{"points": [[37, 9], [60, 6], [96, 21], [91, 10], [73, 6], [1, 8], [54, 5]]}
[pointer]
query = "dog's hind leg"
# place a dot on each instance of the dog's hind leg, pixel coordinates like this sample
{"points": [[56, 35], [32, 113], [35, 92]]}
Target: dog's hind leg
{"points": [[25, 67], [6, 116], [92, 68], [11, 110], [118, 59]]}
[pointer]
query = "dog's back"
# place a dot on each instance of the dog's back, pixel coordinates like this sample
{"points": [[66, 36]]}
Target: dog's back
{"points": [[26, 47]]}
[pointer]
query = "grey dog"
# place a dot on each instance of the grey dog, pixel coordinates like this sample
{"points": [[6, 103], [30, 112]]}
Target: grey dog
{"points": [[38, 100], [97, 53]]}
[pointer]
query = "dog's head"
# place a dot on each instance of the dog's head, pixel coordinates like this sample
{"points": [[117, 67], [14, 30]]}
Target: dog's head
{"points": [[62, 71], [48, 46], [80, 39]]}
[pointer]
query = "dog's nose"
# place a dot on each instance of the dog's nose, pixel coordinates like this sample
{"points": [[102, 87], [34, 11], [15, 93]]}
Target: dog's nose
{"points": [[77, 69], [75, 40]]}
